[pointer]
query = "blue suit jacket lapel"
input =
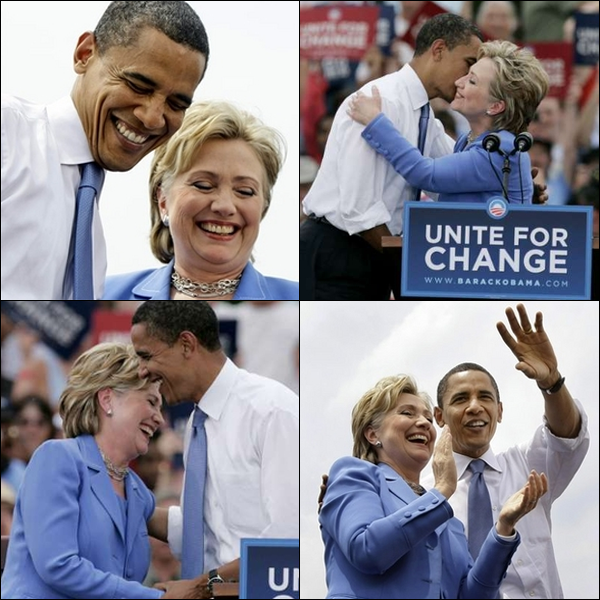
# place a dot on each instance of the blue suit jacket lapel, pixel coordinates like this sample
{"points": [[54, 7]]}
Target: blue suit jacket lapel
{"points": [[156, 286], [400, 489], [100, 482]]}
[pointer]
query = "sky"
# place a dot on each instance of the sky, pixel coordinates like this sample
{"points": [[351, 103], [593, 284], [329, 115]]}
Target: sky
{"points": [[346, 347], [253, 62]]}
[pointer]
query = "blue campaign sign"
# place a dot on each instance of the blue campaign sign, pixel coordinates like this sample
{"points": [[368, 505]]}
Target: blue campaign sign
{"points": [[585, 41], [270, 568], [61, 325], [497, 250]]}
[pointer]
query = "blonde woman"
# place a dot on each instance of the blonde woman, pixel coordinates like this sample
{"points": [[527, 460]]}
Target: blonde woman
{"points": [[79, 528], [210, 188]]}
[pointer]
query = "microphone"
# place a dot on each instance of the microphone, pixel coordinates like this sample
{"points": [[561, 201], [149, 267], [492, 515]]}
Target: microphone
{"points": [[491, 142], [523, 142]]}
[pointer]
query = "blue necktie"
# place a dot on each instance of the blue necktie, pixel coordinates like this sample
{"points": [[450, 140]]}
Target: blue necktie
{"points": [[423, 120], [192, 556], [83, 268], [480, 508]]}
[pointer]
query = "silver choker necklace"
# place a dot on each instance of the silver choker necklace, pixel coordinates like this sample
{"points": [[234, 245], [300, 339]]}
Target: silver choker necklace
{"points": [[196, 289], [114, 472]]}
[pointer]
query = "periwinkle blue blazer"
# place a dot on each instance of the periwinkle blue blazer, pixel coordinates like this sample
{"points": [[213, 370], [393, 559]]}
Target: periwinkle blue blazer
{"points": [[384, 541], [471, 174], [68, 537], [155, 284]]}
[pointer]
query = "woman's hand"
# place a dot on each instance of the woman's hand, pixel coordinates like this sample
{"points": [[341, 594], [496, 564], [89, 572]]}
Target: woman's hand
{"points": [[443, 465], [519, 504], [364, 109]]}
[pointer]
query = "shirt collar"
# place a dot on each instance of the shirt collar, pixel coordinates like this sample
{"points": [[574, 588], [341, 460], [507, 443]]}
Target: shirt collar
{"points": [[214, 399], [418, 94], [69, 135], [462, 462]]}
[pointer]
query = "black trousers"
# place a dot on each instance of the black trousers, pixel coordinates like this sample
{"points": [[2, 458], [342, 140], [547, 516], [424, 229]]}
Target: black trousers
{"points": [[338, 266]]}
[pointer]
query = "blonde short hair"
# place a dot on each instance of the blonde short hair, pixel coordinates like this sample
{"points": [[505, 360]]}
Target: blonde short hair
{"points": [[108, 365], [520, 83], [375, 405], [206, 121]]}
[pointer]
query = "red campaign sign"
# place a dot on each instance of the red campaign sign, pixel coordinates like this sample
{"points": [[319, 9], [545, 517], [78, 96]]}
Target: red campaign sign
{"points": [[337, 31], [428, 10], [109, 326], [557, 60]]}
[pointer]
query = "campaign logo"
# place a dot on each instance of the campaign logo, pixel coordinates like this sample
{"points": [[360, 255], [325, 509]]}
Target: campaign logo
{"points": [[497, 208]]}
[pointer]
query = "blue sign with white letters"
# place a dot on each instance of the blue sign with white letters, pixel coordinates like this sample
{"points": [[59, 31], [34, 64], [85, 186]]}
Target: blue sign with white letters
{"points": [[497, 250], [270, 568]]}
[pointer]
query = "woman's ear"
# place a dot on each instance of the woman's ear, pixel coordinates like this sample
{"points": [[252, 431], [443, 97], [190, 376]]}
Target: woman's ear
{"points": [[496, 108], [162, 200], [105, 399], [370, 434]]}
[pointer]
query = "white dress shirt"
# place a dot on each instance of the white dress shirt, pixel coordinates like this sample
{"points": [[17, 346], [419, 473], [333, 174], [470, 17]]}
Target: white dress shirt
{"points": [[253, 479], [533, 572], [355, 188], [42, 148]]}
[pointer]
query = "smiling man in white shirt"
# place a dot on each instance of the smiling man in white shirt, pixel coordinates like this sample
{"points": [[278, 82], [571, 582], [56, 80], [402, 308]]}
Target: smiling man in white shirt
{"points": [[469, 403], [252, 434], [357, 198], [136, 76]]}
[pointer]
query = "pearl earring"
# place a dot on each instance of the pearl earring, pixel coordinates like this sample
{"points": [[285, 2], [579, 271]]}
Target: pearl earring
{"points": [[109, 412], [165, 220], [378, 444]]}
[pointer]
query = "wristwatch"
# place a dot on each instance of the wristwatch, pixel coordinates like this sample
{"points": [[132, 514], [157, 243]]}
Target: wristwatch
{"points": [[213, 577], [555, 388]]}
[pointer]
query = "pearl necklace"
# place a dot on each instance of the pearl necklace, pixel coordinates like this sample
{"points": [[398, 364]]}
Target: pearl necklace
{"points": [[114, 472]]}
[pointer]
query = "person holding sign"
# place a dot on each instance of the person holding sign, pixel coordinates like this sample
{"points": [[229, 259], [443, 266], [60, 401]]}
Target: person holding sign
{"points": [[498, 96], [386, 536]]}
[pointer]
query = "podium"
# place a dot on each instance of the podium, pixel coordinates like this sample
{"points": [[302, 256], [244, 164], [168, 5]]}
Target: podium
{"points": [[392, 245], [226, 590]]}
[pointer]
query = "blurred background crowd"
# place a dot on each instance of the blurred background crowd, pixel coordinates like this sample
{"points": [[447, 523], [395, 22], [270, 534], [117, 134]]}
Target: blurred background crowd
{"points": [[565, 128], [262, 337]]}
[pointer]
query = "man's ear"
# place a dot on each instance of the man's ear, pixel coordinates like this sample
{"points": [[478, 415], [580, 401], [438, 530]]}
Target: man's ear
{"points": [[439, 416], [500, 409], [189, 342], [437, 49], [85, 49]]}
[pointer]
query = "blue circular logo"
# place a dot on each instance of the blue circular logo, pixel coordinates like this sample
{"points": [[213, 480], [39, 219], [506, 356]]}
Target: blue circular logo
{"points": [[497, 207]]}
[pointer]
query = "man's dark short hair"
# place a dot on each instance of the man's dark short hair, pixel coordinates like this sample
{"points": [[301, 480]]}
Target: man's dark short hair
{"points": [[443, 385], [122, 23], [453, 29], [167, 319]]}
